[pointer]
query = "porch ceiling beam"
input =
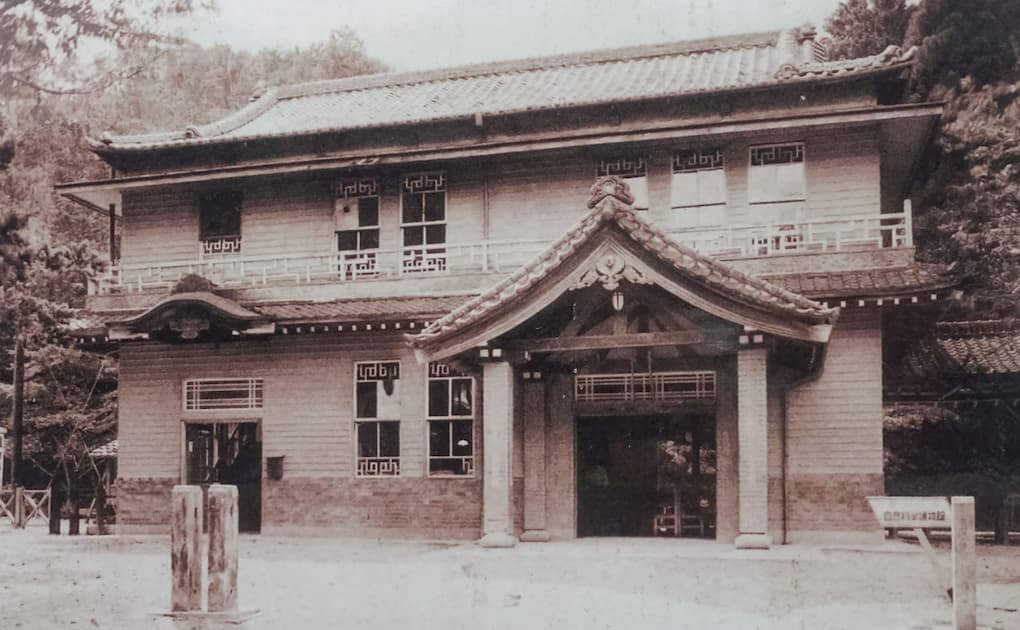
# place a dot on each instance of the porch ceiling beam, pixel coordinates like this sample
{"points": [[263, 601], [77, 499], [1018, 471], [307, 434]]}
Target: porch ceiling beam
{"points": [[608, 342]]}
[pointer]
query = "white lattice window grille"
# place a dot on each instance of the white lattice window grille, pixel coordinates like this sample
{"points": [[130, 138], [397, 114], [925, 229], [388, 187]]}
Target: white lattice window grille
{"points": [[378, 448], [633, 171], [698, 189], [776, 174], [451, 413], [225, 393], [423, 222], [219, 224], [377, 390], [356, 222]]}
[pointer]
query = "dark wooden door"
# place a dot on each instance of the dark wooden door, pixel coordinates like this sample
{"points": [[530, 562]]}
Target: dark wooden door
{"points": [[229, 453]]}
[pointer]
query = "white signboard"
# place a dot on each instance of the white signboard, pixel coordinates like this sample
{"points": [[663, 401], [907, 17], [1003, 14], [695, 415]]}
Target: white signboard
{"points": [[912, 512]]}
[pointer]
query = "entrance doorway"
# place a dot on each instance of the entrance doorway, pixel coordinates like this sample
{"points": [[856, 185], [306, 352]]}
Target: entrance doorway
{"points": [[646, 475], [228, 453]]}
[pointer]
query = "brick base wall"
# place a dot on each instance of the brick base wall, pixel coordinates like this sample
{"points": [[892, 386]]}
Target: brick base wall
{"points": [[832, 507], [143, 504], [406, 507]]}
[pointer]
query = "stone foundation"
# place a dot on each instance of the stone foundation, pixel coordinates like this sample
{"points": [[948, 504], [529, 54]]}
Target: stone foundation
{"points": [[448, 509], [143, 505], [833, 508]]}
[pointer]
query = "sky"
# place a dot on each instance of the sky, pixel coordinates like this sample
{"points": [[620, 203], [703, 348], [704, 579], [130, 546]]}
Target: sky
{"points": [[414, 35]]}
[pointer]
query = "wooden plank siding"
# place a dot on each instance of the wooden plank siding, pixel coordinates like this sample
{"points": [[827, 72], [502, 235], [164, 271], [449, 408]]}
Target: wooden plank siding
{"points": [[834, 423], [538, 197], [308, 414]]}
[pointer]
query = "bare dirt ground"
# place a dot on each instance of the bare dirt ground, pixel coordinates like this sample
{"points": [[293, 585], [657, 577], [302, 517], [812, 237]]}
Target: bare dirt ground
{"points": [[120, 582]]}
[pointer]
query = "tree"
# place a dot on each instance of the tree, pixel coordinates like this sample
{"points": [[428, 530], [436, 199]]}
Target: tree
{"points": [[977, 39], [39, 39], [867, 27]]}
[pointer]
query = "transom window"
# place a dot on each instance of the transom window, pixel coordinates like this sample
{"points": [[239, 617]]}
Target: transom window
{"points": [[219, 223], [633, 171], [451, 412], [423, 222], [356, 221], [698, 194], [205, 394], [776, 180], [377, 418]]}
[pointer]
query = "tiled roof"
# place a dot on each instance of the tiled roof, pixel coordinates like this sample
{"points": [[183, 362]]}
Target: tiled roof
{"points": [[990, 347], [702, 269], [363, 309], [629, 74], [877, 282], [105, 450], [298, 312], [223, 306]]}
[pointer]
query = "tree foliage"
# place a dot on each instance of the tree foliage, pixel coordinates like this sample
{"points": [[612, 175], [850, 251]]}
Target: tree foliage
{"points": [[139, 80], [977, 40], [40, 39], [867, 27]]}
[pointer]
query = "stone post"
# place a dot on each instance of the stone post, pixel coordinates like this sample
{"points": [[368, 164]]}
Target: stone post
{"points": [[964, 565], [752, 447], [186, 548], [222, 548], [497, 426], [534, 459]]}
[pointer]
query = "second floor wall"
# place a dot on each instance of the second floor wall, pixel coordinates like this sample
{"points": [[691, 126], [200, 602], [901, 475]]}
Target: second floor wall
{"points": [[705, 193]]}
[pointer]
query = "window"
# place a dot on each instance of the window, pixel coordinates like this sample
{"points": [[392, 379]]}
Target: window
{"points": [[219, 223], [698, 195], [423, 222], [225, 393], [356, 221], [377, 418], [776, 180], [632, 171], [378, 449], [451, 421]]}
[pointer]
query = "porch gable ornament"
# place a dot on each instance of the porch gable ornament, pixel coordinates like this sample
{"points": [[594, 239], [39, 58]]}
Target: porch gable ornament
{"points": [[610, 186], [610, 269], [189, 325]]}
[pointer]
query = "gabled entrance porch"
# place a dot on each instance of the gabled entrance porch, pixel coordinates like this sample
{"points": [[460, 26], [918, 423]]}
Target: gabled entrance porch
{"points": [[617, 320]]}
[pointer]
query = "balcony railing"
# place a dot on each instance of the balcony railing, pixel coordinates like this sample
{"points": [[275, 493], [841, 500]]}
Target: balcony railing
{"points": [[227, 270], [253, 271], [814, 235], [657, 386]]}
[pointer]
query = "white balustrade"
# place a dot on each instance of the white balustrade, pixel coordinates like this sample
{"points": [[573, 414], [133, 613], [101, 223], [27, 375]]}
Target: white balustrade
{"points": [[813, 235], [245, 271], [226, 269]]}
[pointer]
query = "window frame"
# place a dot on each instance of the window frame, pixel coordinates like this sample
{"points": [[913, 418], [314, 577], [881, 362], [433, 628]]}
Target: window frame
{"points": [[360, 261], [425, 257], [753, 194], [395, 459], [358, 420], [705, 161], [220, 244], [450, 419], [256, 387]]}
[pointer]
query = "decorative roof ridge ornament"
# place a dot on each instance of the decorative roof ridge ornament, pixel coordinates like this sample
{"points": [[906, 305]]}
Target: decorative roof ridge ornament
{"points": [[610, 186], [610, 269]]}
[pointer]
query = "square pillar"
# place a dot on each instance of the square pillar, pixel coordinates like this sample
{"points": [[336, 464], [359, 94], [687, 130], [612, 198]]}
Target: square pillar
{"points": [[497, 439], [752, 448], [534, 459]]}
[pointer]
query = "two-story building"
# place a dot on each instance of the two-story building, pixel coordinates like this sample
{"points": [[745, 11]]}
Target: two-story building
{"points": [[397, 305]]}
